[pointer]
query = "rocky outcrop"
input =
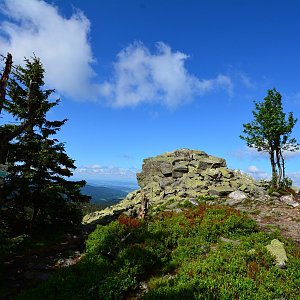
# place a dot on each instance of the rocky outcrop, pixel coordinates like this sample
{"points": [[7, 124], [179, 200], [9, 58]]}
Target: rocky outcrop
{"points": [[183, 175], [188, 174]]}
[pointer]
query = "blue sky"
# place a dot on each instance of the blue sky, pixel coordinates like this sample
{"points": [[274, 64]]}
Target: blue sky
{"points": [[139, 78]]}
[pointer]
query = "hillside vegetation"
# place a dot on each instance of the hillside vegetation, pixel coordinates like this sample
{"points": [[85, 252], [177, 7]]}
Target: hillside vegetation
{"points": [[207, 252]]}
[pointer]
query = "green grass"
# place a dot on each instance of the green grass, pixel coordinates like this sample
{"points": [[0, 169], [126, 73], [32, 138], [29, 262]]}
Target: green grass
{"points": [[179, 256]]}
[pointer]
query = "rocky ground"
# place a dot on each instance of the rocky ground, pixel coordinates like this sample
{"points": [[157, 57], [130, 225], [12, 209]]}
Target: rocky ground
{"points": [[276, 214]]}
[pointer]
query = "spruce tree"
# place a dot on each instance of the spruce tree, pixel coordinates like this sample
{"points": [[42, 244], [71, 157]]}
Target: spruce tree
{"points": [[37, 189]]}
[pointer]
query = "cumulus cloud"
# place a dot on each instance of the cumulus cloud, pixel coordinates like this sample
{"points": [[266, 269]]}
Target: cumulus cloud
{"points": [[247, 152], [291, 154], [61, 43], [100, 172], [252, 153], [144, 77], [295, 177], [257, 173], [64, 48]]}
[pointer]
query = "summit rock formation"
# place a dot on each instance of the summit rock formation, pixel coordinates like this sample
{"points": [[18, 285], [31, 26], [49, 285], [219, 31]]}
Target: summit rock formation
{"points": [[186, 174], [182, 175]]}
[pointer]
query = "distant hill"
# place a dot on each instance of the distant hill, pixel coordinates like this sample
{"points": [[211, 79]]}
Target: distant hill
{"points": [[105, 195]]}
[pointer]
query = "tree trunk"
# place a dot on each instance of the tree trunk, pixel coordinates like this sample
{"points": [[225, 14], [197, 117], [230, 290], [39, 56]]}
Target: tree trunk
{"points": [[279, 167], [283, 164], [3, 149], [274, 172], [36, 210], [144, 206]]}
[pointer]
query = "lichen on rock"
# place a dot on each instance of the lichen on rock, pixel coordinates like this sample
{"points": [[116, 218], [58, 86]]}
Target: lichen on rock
{"points": [[277, 250]]}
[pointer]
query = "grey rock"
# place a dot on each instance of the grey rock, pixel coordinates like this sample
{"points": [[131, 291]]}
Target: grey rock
{"points": [[177, 174], [235, 197], [166, 168], [165, 181], [194, 202], [220, 190], [289, 200]]}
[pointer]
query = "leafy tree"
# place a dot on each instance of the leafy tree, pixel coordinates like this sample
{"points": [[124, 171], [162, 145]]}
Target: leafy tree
{"points": [[270, 132], [36, 189]]}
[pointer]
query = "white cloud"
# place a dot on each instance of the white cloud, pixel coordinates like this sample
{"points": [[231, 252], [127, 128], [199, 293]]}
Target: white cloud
{"points": [[247, 81], [291, 154], [63, 46], [295, 177], [252, 153], [142, 77], [61, 43], [252, 169], [257, 173], [100, 172], [247, 152]]}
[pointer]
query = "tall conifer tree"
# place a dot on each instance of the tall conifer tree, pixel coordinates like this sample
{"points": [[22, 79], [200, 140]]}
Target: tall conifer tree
{"points": [[37, 188]]}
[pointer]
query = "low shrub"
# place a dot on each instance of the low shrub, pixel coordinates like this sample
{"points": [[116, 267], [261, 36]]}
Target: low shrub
{"points": [[179, 256]]}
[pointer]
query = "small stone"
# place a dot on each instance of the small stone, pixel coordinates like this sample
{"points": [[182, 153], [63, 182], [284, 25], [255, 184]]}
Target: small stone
{"points": [[243, 187], [275, 194], [237, 195], [193, 201], [289, 200]]}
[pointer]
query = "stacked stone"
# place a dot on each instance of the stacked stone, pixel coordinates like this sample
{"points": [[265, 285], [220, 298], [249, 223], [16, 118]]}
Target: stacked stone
{"points": [[188, 173], [177, 176]]}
